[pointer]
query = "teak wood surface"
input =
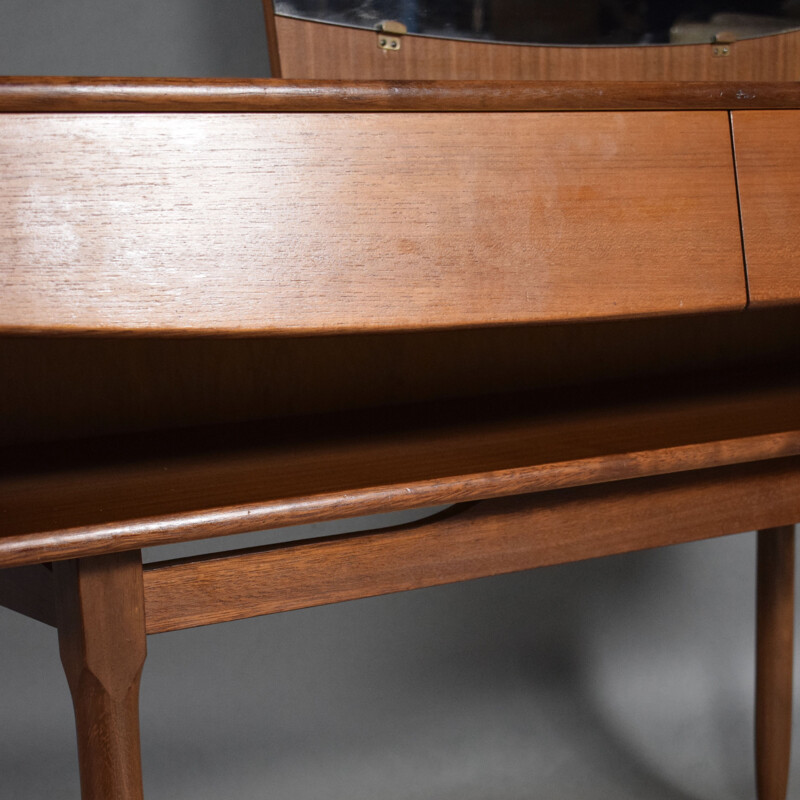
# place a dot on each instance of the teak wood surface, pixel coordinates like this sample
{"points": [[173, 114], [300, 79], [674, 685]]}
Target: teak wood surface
{"points": [[768, 169], [486, 538], [774, 659], [30, 591], [280, 208], [135, 384], [101, 633], [321, 51], [320, 223], [159, 488]]}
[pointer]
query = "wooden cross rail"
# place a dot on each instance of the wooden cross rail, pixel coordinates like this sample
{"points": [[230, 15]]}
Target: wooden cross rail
{"points": [[464, 542]]}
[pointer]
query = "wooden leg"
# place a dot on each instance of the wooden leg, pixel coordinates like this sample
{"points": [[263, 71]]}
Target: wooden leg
{"points": [[102, 641], [774, 651]]}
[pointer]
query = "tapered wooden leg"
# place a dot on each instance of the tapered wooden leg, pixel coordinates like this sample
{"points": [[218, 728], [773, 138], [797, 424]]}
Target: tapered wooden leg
{"points": [[101, 634], [774, 650]]}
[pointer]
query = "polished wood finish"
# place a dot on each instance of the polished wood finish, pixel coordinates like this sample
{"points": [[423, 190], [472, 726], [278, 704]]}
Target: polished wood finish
{"points": [[30, 95], [774, 660], [319, 51], [29, 591], [101, 633], [117, 224], [485, 538], [163, 488], [387, 226], [768, 168]]}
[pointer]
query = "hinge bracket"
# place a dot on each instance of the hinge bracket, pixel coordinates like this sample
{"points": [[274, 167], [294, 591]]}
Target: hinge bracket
{"points": [[389, 33]]}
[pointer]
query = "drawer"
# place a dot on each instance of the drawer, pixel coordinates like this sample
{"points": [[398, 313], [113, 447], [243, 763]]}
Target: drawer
{"points": [[324, 222], [767, 147]]}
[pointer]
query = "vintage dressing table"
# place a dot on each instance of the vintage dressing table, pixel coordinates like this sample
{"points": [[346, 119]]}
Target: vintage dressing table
{"points": [[231, 306], [569, 310]]}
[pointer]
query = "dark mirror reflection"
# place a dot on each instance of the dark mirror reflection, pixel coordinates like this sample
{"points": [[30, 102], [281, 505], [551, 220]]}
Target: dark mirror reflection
{"points": [[601, 22]]}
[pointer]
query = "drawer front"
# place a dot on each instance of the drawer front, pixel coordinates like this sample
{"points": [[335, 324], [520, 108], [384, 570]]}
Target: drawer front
{"points": [[324, 222], [767, 145]]}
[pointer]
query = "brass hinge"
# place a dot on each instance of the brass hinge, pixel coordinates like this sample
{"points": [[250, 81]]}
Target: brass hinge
{"points": [[389, 33], [723, 44]]}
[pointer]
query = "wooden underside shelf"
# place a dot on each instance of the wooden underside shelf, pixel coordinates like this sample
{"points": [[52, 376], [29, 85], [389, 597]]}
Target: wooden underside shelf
{"points": [[73, 499]]}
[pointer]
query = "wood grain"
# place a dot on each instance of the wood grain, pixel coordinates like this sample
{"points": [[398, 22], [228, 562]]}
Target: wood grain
{"points": [[118, 493], [323, 51], [768, 168], [103, 646], [209, 95], [774, 660], [321, 223], [272, 40], [29, 591], [488, 538], [117, 385]]}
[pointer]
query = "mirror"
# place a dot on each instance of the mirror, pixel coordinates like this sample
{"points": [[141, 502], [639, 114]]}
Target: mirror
{"points": [[554, 22]]}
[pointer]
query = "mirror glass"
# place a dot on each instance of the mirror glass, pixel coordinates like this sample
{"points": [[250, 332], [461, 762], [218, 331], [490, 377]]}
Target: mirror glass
{"points": [[598, 22]]}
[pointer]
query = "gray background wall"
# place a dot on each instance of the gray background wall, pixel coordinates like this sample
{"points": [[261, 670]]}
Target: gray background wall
{"points": [[626, 677]]}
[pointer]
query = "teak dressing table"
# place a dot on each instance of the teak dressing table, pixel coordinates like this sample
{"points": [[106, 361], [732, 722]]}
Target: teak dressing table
{"points": [[571, 311]]}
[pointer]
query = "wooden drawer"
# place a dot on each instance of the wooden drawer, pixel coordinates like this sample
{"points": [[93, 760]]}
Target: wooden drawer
{"points": [[320, 222], [768, 164]]}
